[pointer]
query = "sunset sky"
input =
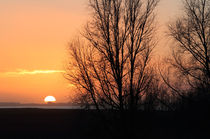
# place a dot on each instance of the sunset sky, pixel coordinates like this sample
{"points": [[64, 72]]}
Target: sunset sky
{"points": [[34, 36]]}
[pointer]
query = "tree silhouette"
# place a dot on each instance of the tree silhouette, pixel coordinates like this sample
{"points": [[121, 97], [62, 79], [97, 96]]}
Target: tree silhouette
{"points": [[192, 34], [111, 66], [190, 57]]}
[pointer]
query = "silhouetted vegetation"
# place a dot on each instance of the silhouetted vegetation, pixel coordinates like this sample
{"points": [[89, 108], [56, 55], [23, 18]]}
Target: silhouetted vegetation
{"points": [[189, 76], [110, 65], [112, 68], [81, 124]]}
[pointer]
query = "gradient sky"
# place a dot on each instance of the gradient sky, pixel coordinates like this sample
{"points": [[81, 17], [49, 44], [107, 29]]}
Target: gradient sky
{"points": [[34, 35]]}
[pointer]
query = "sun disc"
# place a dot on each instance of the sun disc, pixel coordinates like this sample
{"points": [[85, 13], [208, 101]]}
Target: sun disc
{"points": [[49, 99]]}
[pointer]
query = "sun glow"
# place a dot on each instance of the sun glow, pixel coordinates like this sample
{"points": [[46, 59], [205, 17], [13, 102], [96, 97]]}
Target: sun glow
{"points": [[50, 99]]}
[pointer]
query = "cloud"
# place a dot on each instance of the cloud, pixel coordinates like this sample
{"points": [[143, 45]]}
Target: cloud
{"points": [[20, 72]]}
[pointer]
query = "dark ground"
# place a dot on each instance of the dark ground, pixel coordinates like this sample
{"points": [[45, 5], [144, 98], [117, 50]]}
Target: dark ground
{"points": [[79, 124]]}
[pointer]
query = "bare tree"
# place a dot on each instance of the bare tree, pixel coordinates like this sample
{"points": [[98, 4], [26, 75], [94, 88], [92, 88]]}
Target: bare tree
{"points": [[190, 65], [111, 68], [192, 35]]}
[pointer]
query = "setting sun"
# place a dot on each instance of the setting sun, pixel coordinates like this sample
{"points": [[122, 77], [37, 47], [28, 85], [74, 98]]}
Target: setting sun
{"points": [[49, 99]]}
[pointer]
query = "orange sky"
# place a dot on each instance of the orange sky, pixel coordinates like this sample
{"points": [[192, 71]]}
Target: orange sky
{"points": [[33, 39]]}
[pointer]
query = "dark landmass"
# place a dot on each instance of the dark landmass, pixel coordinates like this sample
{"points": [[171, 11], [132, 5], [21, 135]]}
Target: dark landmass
{"points": [[84, 124]]}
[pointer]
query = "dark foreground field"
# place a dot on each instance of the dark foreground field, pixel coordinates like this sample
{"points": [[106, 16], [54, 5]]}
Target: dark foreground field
{"points": [[76, 124]]}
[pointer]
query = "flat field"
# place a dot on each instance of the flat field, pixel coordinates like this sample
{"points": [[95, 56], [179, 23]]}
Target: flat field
{"points": [[79, 124]]}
